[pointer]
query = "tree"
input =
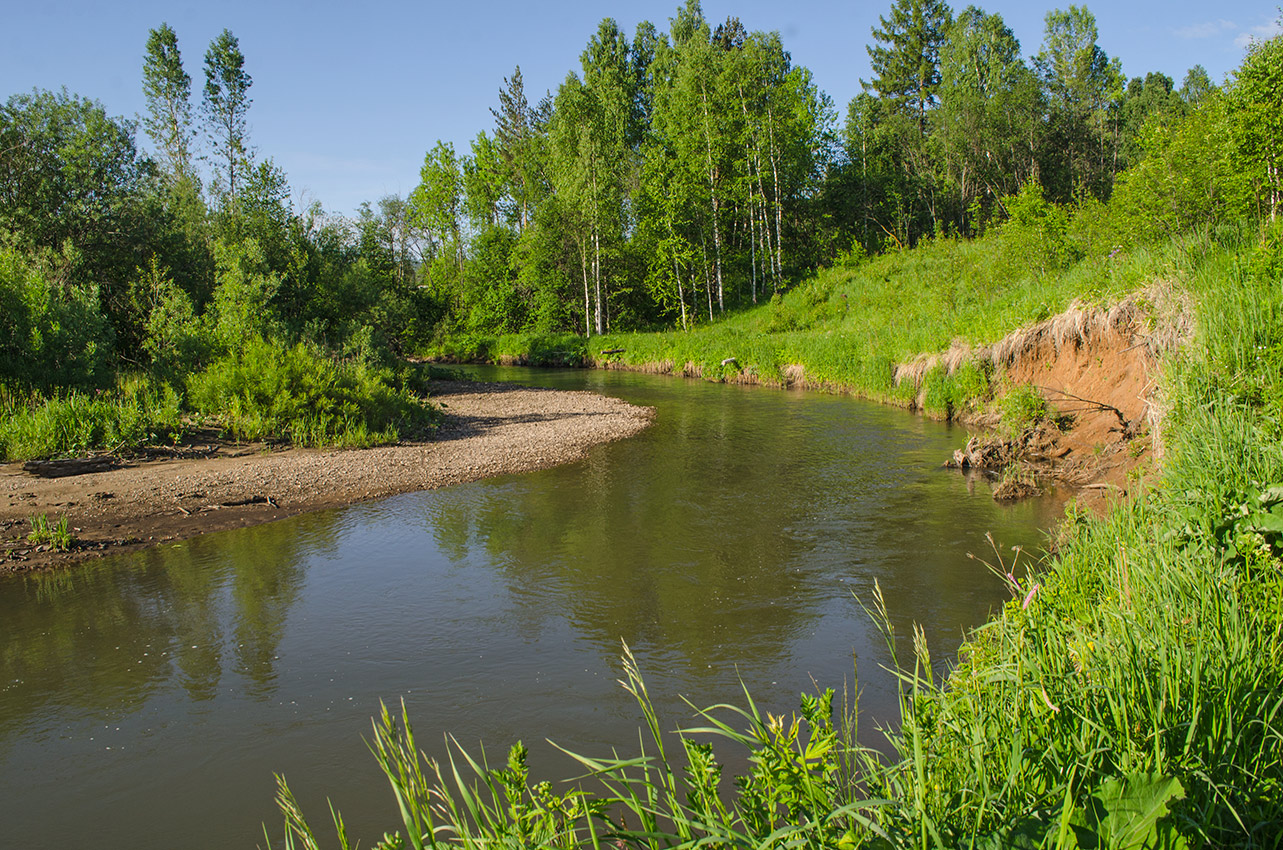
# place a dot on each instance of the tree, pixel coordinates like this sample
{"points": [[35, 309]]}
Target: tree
{"points": [[906, 60], [1085, 89], [71, 174], [1257, 98], [436, 204], [1183, 177], [518, 131], [990, 113], [167, 89], [1197, 86], [484, 184], [1153, 98], [226, 104], [578, 181]]}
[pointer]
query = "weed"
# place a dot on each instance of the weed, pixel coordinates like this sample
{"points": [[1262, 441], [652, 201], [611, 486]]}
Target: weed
{"points": [[58, 537], [791, 795], [1021, 407]]}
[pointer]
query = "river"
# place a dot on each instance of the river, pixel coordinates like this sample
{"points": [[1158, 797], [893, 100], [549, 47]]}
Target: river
{"points": [[147, 699]]}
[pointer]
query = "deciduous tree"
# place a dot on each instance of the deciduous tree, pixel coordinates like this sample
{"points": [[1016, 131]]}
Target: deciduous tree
{"points": [[226, 104], [167, 89]]}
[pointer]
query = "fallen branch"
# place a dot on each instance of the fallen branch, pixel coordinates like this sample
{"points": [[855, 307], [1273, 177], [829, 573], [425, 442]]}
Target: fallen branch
{"points": [[70, 466], [1092, 404]]}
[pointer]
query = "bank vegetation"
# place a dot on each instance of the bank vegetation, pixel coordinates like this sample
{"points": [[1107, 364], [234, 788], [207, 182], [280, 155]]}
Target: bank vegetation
{"points": [[688, 204]]}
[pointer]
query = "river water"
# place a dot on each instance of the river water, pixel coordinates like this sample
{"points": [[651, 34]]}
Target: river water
{"points": [[146, 700]]}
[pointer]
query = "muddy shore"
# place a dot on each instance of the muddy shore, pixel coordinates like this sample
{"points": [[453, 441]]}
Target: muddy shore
{"points": [[487, 430]]}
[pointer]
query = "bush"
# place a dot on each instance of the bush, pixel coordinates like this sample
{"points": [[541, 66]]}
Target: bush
{"points": [[1021, 407], [1037, 232], [267, 390], [53, 334]]}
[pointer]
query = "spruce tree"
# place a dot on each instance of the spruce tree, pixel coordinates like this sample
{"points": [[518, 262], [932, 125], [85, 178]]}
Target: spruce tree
{"points": [[906, 57]]}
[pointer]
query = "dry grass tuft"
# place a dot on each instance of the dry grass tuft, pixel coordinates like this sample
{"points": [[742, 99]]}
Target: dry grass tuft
{"points": [[794, 374]]}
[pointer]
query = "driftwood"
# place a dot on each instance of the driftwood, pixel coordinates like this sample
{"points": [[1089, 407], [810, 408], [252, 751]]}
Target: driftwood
{"points": [[70, 466]]}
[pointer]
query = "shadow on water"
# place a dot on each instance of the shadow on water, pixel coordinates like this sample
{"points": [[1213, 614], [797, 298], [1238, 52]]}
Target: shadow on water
{"points": [[155, 694]]}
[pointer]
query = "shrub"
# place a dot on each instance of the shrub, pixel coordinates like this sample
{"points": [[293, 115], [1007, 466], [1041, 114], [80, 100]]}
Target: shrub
{"points": [[1022, 406], [268, 390], [53, 334]]}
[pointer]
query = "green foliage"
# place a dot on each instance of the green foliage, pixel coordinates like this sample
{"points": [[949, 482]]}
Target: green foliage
{"points": [[1257, 120], [265, 389], [72, 175], [53, 332], [58, 537], [1038, 231], [436, 205], [168, 88], [226, 104], [1022, 406], [1184, 178], [242, 305], [136, 413], [906, 62], [176, 340]]}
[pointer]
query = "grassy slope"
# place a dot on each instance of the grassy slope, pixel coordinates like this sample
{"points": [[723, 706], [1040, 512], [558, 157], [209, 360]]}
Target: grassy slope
{"points": [[849, 326], [1151, 647]]}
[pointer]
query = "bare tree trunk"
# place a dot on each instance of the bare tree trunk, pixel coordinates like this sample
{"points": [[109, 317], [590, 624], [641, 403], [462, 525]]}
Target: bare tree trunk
{"points": [[596, 241], [596, 270], [681, 292], [583, 262], [712, 190], [767, 252], [708, 284], [754, 162], [775, 180], [752, 243]]}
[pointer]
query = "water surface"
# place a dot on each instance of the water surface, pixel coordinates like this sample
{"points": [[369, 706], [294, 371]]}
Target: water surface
{"points": [[146, 700]]}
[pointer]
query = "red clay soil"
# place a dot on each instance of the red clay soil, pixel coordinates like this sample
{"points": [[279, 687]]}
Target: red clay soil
{"points": [[487, 430], [1102, 386]]}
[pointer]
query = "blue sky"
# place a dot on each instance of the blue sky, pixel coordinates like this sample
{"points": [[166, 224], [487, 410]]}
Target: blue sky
{"points": [[348, 99]]}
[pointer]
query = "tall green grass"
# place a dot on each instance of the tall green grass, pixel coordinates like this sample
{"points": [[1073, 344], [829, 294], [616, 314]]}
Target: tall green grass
{"points": [[797, 793], [1148, 654], [138, 411]]}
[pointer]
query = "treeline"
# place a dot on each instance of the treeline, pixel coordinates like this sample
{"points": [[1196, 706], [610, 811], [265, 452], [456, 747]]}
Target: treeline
{"points": [[672, 178], [679, 175], [685, 173]]}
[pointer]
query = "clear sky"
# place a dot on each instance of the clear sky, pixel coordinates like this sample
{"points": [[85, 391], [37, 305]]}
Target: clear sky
{"points": [[348, 97]]}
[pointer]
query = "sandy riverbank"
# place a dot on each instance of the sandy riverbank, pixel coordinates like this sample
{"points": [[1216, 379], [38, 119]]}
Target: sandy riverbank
{"points": [[488, 429]]}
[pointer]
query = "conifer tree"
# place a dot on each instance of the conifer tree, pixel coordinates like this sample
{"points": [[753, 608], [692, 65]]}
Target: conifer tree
{"points": [[906, 60]]}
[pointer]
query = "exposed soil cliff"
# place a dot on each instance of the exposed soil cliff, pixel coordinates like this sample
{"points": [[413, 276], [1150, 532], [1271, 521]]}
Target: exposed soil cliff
{"points": [[1098, 370]]}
